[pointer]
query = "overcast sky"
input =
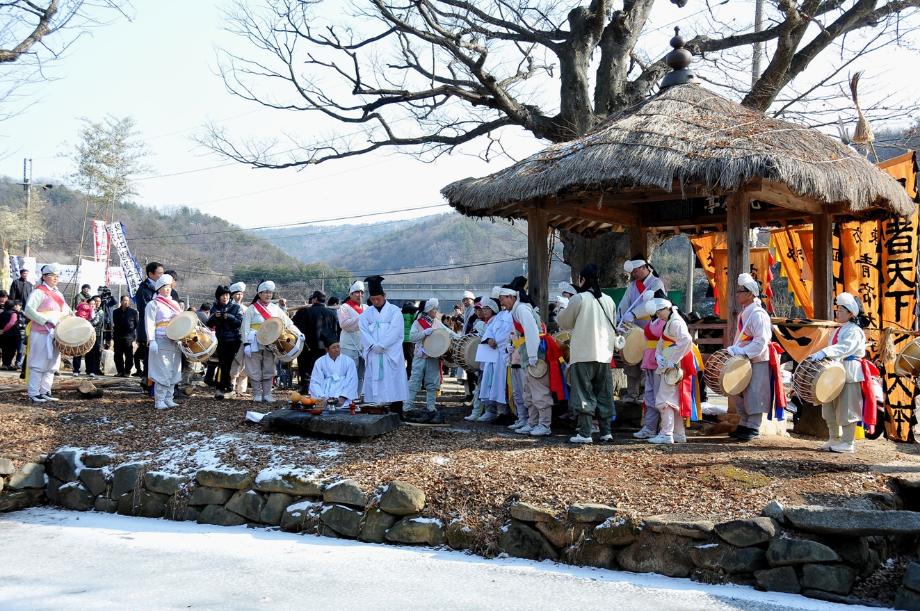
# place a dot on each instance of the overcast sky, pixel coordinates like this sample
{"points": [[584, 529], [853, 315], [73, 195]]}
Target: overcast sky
{"points": [[160, 69]]}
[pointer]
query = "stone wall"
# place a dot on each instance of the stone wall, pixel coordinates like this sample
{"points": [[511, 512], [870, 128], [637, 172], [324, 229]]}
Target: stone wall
{"points": [[815, 551]]}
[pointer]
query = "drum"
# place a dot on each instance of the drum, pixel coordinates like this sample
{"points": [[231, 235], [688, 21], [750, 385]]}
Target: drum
{"points": [[538, 370], [283, 342], [74, 336], [563, 339], [726, 374], [464, 349], [819, 382], [673, 376], [907, 363], [438, 344], [196, 341], [634, 345]]}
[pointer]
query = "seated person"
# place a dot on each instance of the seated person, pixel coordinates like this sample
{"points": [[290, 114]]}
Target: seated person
{"points": [[334, 377]]}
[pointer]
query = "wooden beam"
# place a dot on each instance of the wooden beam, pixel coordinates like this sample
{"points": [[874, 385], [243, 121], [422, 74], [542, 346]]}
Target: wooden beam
{"points": [[780, 195], [738, 208], [538, 259], [823, 273]]}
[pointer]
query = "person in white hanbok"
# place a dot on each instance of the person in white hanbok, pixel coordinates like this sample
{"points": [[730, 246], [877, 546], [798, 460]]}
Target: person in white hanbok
{"points": [[426, 369], [350, 337], [644, 284], [260, 361], [493, 390], [848, 345], [334, 376], [238, 378], [382, 333], [165, 359], [44, 309]]}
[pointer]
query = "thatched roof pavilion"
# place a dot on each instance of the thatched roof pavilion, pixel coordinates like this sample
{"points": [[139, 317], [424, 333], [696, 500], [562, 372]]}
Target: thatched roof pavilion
{"points": [[686, 160]]}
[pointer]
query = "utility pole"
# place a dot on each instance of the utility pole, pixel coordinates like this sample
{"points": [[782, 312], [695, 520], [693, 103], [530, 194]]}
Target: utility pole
{"points": [[758, 46]]}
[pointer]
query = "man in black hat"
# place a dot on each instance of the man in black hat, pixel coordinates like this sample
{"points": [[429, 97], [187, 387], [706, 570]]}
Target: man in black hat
{"points": [[320, 328], [382, 333]]}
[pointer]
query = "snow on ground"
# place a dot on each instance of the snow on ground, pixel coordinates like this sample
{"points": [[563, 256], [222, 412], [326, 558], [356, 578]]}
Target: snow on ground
{"points": [[100, 561]]}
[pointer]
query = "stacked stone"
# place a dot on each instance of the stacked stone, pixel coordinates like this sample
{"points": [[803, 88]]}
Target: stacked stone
{"points": [[24, 487]]}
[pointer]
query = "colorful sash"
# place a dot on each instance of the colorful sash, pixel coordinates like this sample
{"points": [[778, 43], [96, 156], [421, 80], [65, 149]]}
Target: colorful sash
{"points": [[167, 301], [263, 312], [869, 371], [55, 295]]}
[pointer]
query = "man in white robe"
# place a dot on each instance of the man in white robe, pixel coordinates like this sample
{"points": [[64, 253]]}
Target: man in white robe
{"points": [[382, 333], [44, 308], [752, 340], [334, 377], [644, 284]]}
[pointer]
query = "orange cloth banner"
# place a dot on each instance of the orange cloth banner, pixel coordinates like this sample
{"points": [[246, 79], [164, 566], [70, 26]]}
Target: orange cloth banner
{"points": [[713, 256], [790, 253]]}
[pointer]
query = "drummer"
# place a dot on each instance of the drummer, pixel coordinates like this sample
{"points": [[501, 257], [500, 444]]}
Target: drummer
{"points": [[259, 360], [651, 417], [494, 374], [334, 377], [644, 284], [44, 308], [165, 359], [753, 340], [426, 370], [674, 350], [239, 382], [857, 401]]}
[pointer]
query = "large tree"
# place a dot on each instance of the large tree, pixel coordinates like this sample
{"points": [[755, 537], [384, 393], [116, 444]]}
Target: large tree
{"points": [[428, 76]]}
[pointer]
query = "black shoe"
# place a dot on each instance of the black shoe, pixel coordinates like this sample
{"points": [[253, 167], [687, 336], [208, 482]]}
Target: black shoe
{"points": [[47, 397], [739, 432], [416, 415], [749, 435], [435, 418], [138, 374]]}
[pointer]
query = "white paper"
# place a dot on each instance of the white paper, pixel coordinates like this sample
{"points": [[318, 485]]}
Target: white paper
{"points": [[486, 353], [254, 416]]}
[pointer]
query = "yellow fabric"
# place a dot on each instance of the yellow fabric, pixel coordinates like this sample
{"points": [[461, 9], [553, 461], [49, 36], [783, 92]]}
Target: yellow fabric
{"points": [[163, 323], [255, 326]]}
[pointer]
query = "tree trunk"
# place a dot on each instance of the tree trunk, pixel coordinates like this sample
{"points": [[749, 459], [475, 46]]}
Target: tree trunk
{"points": [[608, 252]]}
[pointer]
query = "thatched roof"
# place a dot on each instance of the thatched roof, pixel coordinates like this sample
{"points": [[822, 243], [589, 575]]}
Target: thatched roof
{"points": [[690, 142]]}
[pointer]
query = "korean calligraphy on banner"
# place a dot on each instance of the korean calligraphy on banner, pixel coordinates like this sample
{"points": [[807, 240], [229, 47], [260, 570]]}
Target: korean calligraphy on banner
{"points": [[100, 242], [128, 263], [787, 244]]}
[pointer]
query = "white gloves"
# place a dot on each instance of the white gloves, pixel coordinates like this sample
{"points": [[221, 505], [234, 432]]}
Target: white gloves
{"points": [[670, 365], [428, 331], [735, 351], [660, 360], [629, 317], [378, 349], [247, 349], [532, 361], [817, 356], [152, 347], [646, 295]]}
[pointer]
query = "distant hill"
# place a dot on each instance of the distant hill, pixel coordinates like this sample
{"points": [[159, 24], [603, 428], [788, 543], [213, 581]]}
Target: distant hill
{"points": [[202, 261], [399, 248]]}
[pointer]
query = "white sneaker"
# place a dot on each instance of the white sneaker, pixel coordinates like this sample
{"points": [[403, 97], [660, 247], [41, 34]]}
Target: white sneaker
{"points": [[487, 417], [830, 443], [472, 417], [540, 431], [47, 397], [524, 430], [160, 405], [680, 439], [607, 438], [268, 399], [662, 439], [580, 439], [38, 399], [643, 433], [516, 425], [843, 448]]}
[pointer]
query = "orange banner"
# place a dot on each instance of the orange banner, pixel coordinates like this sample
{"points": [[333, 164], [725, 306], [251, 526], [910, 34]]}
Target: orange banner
{"points": [[794, 266], [713, 257]]}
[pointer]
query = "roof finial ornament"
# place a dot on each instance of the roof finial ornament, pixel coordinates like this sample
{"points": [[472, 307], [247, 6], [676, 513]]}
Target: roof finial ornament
{"points": [[679, 60]]}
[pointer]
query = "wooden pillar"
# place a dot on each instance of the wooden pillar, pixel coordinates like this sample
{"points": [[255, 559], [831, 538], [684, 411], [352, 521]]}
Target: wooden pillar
{"points": [[538, 259], [638, 242], [822, 230], [738, 210]]}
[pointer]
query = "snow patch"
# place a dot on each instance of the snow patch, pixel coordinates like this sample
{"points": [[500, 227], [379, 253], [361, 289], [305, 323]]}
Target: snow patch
{"points": [[273, 473], [303, 506], [427, 521], [440, 460], [613, 521], [707, 545]]}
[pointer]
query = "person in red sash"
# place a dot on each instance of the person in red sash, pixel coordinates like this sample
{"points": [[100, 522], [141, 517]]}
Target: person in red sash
{"points": [[426, 370], [349, 314], [651, 417], [164, 357], [644, 284], [44, 309], [239, 381], [856, 402], [260, 361], [673, 351], [591, 316], [753, 341]]}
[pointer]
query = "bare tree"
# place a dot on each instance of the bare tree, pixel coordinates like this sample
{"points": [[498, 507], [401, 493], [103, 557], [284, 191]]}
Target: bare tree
{"points": [[36, 32], [428, 76]]}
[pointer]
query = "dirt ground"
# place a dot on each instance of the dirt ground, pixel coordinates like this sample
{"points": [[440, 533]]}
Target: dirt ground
{"points": [[469, 471]]}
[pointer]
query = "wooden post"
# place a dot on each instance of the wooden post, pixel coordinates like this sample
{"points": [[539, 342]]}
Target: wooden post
{"points": [[691, 268], [638, 242], [538, 259], [738, 211], [822, 229]]}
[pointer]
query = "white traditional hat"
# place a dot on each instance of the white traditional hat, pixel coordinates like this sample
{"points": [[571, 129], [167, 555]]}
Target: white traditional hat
{"points": [[357, 285], [430, 305], [747, 281], [238, 287], [849, 302], [503, 292], [566, 287], [268, 285], [490, 303], [629, 266], [163, 281], [496, 291], [562, 301], [51, 268], [468, 295], [658, 303]]}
